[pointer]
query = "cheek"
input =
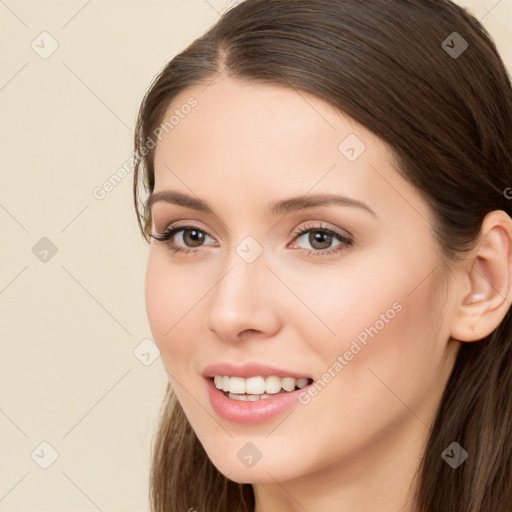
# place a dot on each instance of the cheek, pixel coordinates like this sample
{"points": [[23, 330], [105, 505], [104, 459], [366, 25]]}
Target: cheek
{"points": [[348, 306], [387, 338], [168, 296], [387, 353], [159, 302]]}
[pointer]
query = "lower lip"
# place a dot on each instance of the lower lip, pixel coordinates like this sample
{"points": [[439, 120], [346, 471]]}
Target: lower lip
{"points": [[247, 412]]}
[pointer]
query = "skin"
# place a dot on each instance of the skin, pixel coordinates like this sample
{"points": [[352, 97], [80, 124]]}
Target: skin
{"points": [[358, 443]]}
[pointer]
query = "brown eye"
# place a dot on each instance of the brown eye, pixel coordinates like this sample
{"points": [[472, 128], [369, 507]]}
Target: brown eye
{"points": [[192, 237], [320, 239]]}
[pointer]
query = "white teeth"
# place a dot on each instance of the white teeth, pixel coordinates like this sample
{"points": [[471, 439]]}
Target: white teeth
{"points": [[238, 397], [257, 386], [236, 385], [301, 383], [273, 385], [248, 398], [218, 381], [288, 383]]}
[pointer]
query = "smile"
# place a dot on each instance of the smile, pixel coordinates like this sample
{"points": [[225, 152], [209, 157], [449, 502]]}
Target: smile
{"points": [[255, 399], [256, 388]]}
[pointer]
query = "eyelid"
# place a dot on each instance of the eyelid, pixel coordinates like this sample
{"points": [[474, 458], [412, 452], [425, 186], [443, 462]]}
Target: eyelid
{"points": [[173, 228], [320, 226], [176, 227], [193, 224]]}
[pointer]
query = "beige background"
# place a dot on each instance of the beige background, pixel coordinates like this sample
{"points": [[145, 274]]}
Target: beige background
{"points": [[75, 370]]}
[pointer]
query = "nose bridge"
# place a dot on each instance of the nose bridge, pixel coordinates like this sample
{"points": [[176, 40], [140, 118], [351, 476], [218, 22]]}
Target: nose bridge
{"points": [[236, 291], [231, 291], [245, 266], [240, 299]]}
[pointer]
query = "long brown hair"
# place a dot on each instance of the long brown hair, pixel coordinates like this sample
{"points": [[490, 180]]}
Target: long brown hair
{"points": [[397, 68]]}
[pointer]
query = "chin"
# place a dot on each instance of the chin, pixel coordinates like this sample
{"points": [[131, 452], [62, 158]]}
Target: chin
{"points": [[265, 470]]}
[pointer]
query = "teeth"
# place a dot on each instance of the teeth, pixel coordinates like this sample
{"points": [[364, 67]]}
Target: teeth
{"points": [[236, 385], [301, 383], [288, 383], [248, 398], [273, 384], [257, 386]]}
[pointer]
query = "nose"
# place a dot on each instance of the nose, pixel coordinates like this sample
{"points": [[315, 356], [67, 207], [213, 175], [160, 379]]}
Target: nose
{"points": [[243, 302]]}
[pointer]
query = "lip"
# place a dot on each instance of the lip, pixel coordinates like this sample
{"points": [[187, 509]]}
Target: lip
{"points": [[247, 412], [249, 370]]}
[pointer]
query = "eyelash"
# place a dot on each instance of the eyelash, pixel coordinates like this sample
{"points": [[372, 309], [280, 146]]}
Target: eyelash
{"points": [[172, 230]]}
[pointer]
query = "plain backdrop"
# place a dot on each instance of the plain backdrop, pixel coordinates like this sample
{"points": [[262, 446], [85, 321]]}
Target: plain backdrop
{"points": [[80, 379]]}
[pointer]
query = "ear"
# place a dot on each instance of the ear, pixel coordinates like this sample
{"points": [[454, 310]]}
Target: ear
{"points": [[486, 292]]}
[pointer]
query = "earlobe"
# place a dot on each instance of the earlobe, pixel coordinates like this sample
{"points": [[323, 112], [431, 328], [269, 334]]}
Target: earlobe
{"points": [[489, 274]]}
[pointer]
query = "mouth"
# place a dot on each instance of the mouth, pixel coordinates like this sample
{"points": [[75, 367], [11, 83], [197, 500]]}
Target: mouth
{"points": [[253, 392], [258, 387], [252, 402]]}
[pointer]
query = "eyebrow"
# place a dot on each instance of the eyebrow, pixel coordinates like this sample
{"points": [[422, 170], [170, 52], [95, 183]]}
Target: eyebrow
{"points": [[278, 207]]}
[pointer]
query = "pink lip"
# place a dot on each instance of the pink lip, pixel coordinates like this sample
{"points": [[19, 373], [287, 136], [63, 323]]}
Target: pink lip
{"points": [[249, 370], [247, 412]]}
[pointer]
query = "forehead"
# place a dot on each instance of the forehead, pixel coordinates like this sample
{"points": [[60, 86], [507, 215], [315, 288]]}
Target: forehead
{"points": [[270, 141], [257, 127]]}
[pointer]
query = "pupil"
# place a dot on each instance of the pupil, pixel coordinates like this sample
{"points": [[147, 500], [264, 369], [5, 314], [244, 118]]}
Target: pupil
{"points": [[195, 236], [320, 237]]}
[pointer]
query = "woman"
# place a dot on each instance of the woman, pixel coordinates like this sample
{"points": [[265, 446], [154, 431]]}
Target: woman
{"points": [[329, 274]]}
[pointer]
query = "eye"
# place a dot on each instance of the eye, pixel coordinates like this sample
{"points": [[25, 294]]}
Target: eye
{"points": [[321, 239], [191, 236]]}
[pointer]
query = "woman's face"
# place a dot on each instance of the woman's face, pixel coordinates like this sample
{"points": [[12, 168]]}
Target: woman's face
{"points": [[355, 303]]}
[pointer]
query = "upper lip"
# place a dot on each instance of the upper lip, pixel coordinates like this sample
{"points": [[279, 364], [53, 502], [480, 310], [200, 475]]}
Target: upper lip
{"points": [[249, 370]]}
